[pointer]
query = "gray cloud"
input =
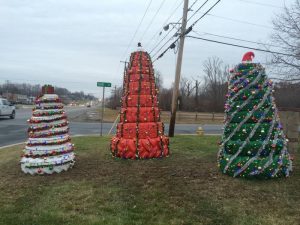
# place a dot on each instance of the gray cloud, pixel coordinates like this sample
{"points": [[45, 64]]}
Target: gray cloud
{"points": [[74, 43]]}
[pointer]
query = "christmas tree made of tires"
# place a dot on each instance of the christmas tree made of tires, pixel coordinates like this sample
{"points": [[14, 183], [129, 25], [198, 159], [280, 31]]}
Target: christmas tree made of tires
{"points": [[140, 134], [253, 143], [48, 149]]}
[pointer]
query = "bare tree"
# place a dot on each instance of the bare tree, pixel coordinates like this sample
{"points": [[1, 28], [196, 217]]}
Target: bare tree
{"points": [[186, 88], [114, 101], [158, 79], [287, 35], [216, 76], [165, 98]]}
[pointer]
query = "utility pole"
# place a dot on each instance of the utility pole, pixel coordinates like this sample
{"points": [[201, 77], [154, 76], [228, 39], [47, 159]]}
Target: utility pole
{"points": [[102, 111], [115, 98], [124, 72], [178, 69]]}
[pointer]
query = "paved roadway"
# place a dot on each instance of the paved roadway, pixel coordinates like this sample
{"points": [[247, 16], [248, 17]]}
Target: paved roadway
{"points": [[15, 131]]}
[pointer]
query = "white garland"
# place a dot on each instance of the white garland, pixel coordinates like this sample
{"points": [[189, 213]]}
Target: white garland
{"points": [[43, 125], [52, 130], [245, 88], [245, 103], [246, 141], [47, 149], [265, 142], [47, 165], [37, 111], [49, 97], [48, 140], [43, 118], [248, 116], [43, 105]]}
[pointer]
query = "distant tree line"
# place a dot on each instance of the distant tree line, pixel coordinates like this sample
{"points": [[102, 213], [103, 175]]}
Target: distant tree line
{"points": [[35, 89], [207, 93]]}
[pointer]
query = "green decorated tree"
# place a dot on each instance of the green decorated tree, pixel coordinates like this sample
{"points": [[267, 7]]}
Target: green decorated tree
{"points": [[253, 143]]}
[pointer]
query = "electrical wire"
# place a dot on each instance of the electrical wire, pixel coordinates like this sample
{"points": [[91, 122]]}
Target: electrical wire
{"points": [[241, 46], [165, 37], [206, 13], [197, 10], [190, 8], [137, 29], [239, 21], [177, 30], [186, 32], [130, 42], [262, 4], [164, 23], [236, 39], [149, 25]]}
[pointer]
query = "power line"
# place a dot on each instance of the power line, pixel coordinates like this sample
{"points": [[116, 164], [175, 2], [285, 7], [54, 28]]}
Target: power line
{"points": [[172, 45], [177, 29], [190, 8], [241, 46], [239, 21], [206, 13], [149, 25], [197, 10], [158, 32], [236, 39], [165, 37], [164, 46], [42, 81], [187, 31], [137, 29], [262, 4]]}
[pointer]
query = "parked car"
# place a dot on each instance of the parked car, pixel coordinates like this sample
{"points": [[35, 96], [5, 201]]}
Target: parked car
{"points": [[7, 109]]}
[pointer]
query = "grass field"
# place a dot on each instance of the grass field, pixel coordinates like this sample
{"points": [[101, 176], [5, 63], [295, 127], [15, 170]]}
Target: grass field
{"points": [[185, 188]]}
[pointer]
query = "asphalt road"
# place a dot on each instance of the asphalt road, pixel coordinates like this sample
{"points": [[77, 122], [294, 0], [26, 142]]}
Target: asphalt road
{"points": [[15, 131]]}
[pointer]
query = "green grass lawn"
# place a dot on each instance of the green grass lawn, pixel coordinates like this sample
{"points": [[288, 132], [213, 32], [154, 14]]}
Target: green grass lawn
{"points": [[185, 188]]}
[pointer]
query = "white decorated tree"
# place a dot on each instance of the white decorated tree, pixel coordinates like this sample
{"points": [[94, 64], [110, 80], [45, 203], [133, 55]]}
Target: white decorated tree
{"points": [[49, 148]]}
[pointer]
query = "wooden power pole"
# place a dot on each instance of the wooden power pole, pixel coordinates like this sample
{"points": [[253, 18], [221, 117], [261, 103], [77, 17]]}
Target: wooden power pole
{"points": [[178, 70]]}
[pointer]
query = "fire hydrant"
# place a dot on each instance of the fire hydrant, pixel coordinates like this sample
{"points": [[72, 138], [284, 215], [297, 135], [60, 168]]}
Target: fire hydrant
{"points": [[200, 131]]}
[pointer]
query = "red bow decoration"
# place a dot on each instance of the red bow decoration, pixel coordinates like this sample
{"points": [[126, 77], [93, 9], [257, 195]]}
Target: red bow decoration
{"points": [[248, 57]]}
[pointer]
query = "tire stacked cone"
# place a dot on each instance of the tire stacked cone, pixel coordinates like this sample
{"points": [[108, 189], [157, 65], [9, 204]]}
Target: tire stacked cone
{"points": [[48, 149], [140, 134]]}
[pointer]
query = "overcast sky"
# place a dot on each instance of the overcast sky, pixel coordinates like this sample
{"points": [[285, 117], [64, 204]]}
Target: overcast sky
{"points": [[75, 43]]}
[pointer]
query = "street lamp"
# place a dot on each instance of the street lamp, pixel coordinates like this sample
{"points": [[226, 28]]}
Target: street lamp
{"points": [[167, 26]]}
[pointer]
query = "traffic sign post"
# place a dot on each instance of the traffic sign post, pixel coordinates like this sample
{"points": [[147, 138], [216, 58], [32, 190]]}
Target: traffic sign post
{"points": [[103, 85]]}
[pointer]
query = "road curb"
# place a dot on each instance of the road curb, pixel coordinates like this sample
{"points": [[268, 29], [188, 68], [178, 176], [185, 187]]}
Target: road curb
{"points": [[12, 145]]}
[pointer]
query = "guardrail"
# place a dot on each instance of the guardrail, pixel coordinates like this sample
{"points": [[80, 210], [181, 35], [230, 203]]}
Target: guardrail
{"points": [[195, 116]]}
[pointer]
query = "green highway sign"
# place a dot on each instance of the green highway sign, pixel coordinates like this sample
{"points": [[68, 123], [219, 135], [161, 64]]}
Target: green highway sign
{"points": [[103, 84]]}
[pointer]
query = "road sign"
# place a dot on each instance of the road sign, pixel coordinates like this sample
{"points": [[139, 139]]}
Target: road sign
{"points": [[103, 84]]}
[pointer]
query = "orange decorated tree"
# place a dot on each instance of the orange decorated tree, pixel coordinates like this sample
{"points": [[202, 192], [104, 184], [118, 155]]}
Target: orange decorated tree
{"points": [[140, 134]]}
